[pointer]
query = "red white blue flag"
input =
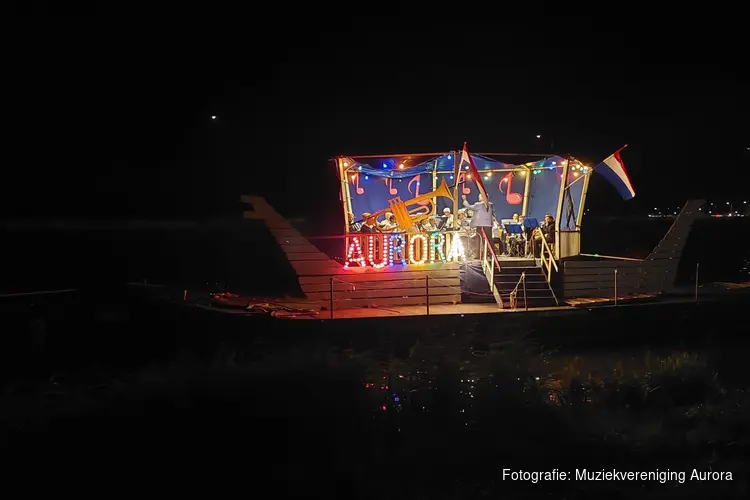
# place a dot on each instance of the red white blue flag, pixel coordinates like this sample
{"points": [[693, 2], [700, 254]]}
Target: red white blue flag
{"points": [[613, 169], [468, 161]]}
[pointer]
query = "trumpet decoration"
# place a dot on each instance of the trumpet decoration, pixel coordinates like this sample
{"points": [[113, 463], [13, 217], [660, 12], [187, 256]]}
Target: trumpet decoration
{"points": [[418, 209]]}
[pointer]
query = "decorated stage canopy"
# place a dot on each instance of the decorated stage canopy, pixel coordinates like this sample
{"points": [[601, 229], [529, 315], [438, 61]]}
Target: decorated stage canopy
{"points": [[372, 182]]}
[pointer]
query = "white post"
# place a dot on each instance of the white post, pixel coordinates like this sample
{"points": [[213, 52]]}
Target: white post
{"points": [[615, 286], [697, 268]]}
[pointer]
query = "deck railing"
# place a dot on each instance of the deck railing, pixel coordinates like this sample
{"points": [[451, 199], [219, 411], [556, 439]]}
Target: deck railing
{"points": [[490, 262], [548, 260]]}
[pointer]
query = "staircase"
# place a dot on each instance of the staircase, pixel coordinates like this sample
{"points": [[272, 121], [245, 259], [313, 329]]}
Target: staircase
{"points": [[538, 291]]}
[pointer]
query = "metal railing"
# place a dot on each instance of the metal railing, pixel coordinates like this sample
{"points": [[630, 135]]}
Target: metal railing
{"points": [[548, 259], [489, 265], [514, 294]]}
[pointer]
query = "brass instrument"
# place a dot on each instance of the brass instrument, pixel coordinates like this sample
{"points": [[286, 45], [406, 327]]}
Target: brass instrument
{"points": [[406, 217]]}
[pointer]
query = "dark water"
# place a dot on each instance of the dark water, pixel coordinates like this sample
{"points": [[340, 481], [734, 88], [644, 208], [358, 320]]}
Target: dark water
{"points": [[407, 408]]}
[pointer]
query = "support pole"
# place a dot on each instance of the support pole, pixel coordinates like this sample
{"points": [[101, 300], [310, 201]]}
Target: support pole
{"points": [[427, 292], [526, 191], [560, 202], [434, 184], [582, 203], [456, 187], [697, 268], [346, 200], [525, 300], [615, 287], [331, 297]]}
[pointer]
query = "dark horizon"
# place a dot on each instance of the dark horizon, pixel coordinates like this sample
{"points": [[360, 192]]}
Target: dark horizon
{"points": [[122, 127]]}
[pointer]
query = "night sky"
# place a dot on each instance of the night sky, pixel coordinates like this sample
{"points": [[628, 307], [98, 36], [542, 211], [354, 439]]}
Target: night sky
{"points": [[112, 118]]}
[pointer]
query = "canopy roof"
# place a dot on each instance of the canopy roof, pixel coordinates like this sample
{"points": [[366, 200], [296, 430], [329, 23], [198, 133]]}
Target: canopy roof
{"points": [[408, 166]]}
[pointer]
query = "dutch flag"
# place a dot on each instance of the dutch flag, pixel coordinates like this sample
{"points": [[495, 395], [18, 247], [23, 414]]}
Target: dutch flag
{"points": [[613, 169]]}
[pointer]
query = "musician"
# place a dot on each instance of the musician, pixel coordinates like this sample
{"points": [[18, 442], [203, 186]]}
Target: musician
{"points": [[527, 238], [429, 225], [446, 221], [389, 224], [548, 229], [354, 227], [497, 233], [462, 221], [370, 225], [482, 218]]}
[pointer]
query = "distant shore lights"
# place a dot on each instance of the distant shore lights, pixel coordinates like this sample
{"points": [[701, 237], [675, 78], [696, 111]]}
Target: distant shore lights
{"points": [[403, 250]]}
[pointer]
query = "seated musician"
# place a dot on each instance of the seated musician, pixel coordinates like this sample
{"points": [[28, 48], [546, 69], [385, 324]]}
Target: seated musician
{"points": [[446, 221], [497, 233], [429, 225], [545, 230], [463, 222], [354, 227], [548, 229], [389, 224], [527, 250], [369, 225]]}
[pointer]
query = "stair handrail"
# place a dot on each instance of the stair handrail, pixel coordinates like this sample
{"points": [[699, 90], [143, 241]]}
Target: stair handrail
{"points": [[548, 260], [514, 293], [494, 260]]}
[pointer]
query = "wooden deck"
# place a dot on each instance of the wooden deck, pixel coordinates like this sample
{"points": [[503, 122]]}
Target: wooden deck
{"points": [[421, 310], [596, 301]]}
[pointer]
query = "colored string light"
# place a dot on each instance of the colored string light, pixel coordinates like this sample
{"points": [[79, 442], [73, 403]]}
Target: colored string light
{"points": [[412, 247], [354, 254]]}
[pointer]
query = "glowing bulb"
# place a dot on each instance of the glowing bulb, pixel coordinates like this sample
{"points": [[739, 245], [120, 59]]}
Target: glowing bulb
{"points": [[575, 174], [401, 166], [213, 117], [538, 136], [367, 177], [354, 177], [468, 176], [346, 164], [449, 156], [489, 174]]}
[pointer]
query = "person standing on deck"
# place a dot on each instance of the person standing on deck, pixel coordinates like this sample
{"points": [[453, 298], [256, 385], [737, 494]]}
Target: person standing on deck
{"points": [[482, 219]]}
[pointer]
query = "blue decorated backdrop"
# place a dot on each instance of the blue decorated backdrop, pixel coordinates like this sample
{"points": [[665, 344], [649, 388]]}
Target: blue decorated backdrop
{"points": [[373, 184]]}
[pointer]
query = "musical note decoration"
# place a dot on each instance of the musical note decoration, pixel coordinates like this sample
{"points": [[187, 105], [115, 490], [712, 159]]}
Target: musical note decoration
{"points": [[464, 188], [355, 179], [391, 190], [416, 193], [510, 197]]}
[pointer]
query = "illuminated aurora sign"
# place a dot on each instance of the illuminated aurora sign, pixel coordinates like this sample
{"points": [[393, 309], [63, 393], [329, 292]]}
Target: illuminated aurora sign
{"points": [[400, 249]]}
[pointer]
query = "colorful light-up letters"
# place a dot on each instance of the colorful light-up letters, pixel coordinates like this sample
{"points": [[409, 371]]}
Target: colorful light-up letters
{"points": [[403, 249]]}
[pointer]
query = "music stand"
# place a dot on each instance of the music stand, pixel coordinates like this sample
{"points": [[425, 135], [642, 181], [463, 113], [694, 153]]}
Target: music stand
{"points": [[513, 229], [531, 223], [504, 222]]}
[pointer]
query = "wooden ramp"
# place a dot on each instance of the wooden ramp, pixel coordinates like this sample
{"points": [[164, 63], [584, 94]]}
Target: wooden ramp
{"points": [[319, 275], [610, 276]]}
